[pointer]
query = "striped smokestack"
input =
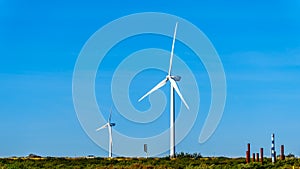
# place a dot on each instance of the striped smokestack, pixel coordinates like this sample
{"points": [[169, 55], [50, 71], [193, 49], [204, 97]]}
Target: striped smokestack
{"points": [[273, 153]]}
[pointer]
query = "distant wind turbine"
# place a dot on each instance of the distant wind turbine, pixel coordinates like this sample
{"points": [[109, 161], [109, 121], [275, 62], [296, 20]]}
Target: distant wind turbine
{"points": [[109, 126], [173, 86]]}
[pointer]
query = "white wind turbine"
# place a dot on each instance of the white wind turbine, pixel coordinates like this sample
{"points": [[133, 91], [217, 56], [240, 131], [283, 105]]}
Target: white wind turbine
{"points": [[173, 86], [109, 126]]}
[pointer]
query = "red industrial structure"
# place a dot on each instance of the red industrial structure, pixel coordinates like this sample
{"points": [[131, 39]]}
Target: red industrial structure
{"points": [[282, 157], [248, 153], [253, 157], [262, 155]]}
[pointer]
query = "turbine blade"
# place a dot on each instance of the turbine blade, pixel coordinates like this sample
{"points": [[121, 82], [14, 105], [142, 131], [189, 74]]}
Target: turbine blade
{"points": [[104, 126], [172, 50], [174, 85], [109, 119], [159, 85]]}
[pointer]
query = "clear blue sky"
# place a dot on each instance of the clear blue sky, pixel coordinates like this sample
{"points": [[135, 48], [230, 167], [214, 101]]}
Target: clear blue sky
{"points": [[257, 41]]}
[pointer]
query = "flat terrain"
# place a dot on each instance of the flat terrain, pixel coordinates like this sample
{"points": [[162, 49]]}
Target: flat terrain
{"points": [[142, 163]]}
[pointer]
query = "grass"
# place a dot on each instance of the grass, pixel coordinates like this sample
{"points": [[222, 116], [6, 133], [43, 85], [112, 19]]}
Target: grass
{"points": [[143, 163]]}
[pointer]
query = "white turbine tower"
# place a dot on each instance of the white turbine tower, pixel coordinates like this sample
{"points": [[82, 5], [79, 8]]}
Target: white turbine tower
{"points": [[109, 126], [173, 86]]}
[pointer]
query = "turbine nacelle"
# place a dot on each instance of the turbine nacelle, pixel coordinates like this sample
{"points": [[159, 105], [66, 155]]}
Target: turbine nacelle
{"points": [[176, 78], [112, 124]]}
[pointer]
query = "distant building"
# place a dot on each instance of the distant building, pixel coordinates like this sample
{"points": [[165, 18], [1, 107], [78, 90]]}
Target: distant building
{"points": [[90, 156]]}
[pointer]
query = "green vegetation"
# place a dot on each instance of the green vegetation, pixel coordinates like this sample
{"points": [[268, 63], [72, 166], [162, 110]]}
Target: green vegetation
{"points": [[183, 161]]}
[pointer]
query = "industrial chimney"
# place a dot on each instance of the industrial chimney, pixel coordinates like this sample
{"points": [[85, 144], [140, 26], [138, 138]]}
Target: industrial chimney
{"points": [[282, 157], [273, 152], [262, 155], [248, 153]]}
